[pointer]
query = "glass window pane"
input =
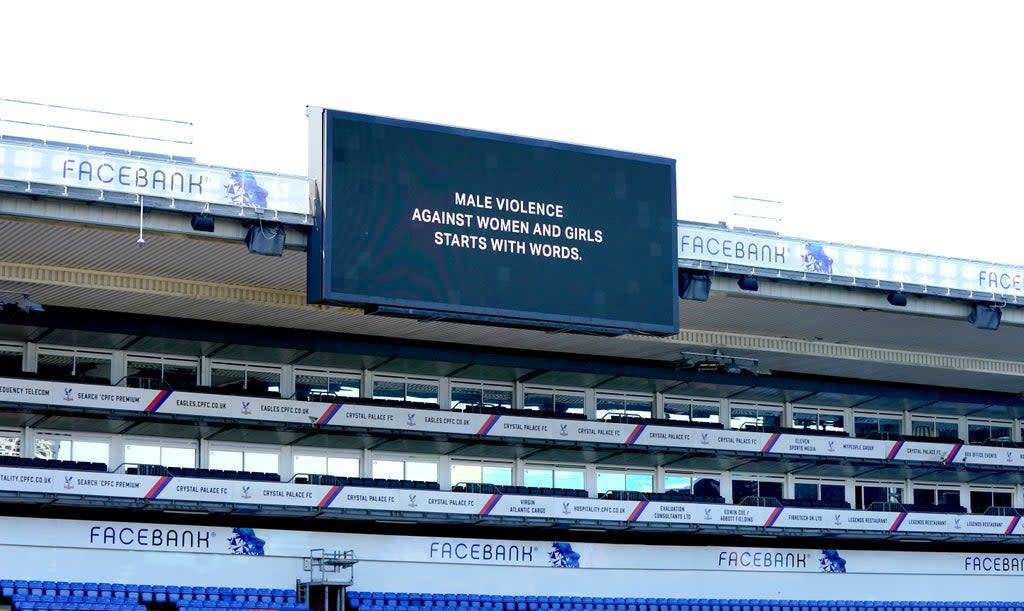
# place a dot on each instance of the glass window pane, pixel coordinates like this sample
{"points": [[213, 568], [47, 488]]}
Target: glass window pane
{"points": [[178, 457], [421, 471], [261, 462], [309, 464], [566, 403], [566, 478], [343, 466], [640, 482], [497, 396], [229, 460], [833, 492], [464, 395], [705, 413], [947, 430], [678, 482], [422, 392], [610, 481], [544, 402], [465, 473], [388, 389], [10, 443], [500, 476], [805, 492], [540, 478], [388, 469], [770, 489], [142, 454], [742, 488]]}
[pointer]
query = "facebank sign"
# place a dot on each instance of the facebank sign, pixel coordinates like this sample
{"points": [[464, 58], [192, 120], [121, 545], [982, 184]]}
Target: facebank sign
{"points": [[117, 172], [728, 250]]}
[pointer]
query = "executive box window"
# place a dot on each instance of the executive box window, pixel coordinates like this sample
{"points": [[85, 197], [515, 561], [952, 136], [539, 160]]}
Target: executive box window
{"points": [[10, 443], [935, 427], [157, 372], [166, 452], [420, 469], [326, 386], [62, 446], [877, 425], [697, 484], [755, 416], [246, 379], [818, 419], [877, 492], [545, 476], [633, 481], [936, 496], [10, 360], [743, 488], [981, 500], [622, 407], [74, 365], [979, 432], [819, 490], [238, 458], [467, 396], [481, 473], [416, 390], [692, 410], [324, 463], [553, 400]]}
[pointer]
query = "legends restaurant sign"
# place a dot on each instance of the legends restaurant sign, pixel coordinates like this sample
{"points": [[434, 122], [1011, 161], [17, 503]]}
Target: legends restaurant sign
{"points": [[123, 173], [738, 251]]}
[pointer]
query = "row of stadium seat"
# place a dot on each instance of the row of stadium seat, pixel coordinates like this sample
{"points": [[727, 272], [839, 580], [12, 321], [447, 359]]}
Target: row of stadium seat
{"points": [[51, 463], [66, 606], [365, 482], [161, 470], [236, 605], [479, 488], [391, 601], [144, 592], [820, 606]]}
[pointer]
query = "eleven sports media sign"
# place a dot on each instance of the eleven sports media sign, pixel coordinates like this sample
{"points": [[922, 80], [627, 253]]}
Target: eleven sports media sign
{"points": [[440, 222]]}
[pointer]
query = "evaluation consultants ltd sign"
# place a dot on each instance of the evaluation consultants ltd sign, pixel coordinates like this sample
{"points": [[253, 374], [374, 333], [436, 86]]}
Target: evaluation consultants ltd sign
{"points": [[448, 222]]}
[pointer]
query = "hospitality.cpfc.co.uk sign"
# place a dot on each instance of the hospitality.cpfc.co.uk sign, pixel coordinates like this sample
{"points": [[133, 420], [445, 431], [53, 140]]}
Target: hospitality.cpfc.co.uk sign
{"points": [[740, 252], [123, 173]]}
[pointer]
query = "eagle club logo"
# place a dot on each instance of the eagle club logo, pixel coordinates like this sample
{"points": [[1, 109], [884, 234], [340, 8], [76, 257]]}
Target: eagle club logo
{"points": [[564, 430], [412, 500], [831, 562], [562, 555], [245, 492], [566, 508], [704, 439], [246, 410], [244, 542], [69, 482], [831, 446], [69, 393], [410, 419]]}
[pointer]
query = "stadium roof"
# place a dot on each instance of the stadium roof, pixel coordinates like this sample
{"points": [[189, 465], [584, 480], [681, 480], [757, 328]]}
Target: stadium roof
{"points": [[81, 261]]}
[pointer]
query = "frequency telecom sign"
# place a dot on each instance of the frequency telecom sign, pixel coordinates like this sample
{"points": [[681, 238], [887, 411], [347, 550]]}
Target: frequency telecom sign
{"points": [[435, 221]]}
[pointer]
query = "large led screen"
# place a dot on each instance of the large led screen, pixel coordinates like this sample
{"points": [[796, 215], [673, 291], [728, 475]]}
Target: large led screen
{"points": [[429, 221]]}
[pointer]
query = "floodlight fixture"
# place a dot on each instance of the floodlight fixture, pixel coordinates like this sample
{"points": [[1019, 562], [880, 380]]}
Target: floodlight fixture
{"points": [[985, 316], [897, 299], [747, 283], [694, 285]]}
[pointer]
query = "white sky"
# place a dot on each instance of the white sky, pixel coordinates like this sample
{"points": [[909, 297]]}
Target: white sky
{"points": [[895, 124]]}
